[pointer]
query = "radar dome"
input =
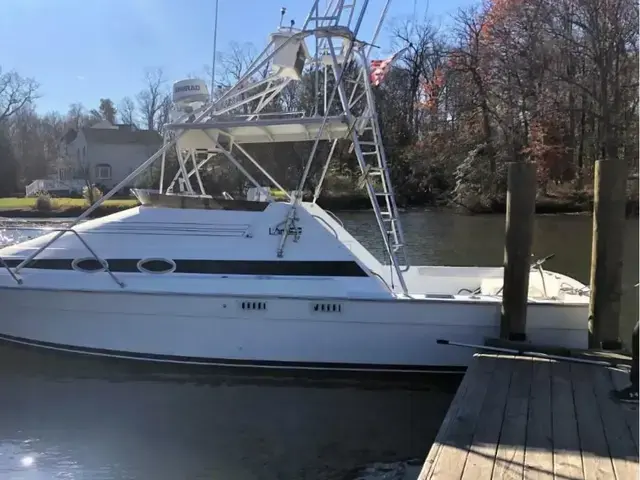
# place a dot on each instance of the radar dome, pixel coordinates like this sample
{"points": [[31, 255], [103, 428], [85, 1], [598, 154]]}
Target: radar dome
{"points": [[190, 94]]}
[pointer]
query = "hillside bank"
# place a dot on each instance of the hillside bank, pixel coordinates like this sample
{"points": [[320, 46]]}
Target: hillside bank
{"points": [[549, 204]]}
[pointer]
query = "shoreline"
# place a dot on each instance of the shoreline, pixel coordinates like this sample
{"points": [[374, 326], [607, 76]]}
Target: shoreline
{"points": [[544, 206], [70, 212]]}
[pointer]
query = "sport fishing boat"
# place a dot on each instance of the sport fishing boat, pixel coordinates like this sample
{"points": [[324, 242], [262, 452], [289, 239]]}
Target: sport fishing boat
{"points": [[272, 281]]}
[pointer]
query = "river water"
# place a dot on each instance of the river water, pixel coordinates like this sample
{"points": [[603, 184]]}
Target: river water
{"points": [[69, 417]]}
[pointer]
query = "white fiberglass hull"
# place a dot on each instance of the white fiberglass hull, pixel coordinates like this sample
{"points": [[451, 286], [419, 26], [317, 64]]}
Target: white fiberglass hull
{"points": [[271, 332], [222, 295]]}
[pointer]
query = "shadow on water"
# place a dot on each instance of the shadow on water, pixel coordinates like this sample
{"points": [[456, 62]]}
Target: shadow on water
{"points": [[26, 361], [107, 418]]}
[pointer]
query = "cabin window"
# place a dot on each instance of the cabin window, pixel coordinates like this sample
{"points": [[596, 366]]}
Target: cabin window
{"points": [[156, 265], [103, 171], [89, 265]]}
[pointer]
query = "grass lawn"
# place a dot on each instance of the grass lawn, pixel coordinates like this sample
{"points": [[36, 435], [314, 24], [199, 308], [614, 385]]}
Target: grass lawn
{"points": [[12, 203]]}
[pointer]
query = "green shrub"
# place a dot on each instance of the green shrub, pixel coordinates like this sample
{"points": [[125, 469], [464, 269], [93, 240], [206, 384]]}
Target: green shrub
{"points": [[336, 184], [91, 195], [44, 203]]}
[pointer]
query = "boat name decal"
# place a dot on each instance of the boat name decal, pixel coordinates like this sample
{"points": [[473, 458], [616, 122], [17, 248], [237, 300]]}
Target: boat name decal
{"points": [[293, 230]]}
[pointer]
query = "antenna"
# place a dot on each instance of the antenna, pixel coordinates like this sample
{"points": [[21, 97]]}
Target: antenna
{"points": [[213, 60], [283, 10]]}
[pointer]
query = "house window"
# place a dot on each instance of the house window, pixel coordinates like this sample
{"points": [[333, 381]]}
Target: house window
{"points": [[103, 172]]}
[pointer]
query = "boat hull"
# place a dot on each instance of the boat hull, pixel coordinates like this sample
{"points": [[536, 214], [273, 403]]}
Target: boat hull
{"points": [[273, 332]]}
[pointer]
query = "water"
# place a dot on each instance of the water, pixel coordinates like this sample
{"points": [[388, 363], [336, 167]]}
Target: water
{"points": [[68, 417]]}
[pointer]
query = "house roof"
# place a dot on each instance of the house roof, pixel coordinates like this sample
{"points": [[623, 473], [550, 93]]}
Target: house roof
{"points": [[126, 126], [70, 136], [122, 136]]}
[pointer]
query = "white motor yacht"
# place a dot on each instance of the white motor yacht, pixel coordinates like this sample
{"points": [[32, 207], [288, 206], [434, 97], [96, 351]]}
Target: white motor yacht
{"points": [[191, 277]]}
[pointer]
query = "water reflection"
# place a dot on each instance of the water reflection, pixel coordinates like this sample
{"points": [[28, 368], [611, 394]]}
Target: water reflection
{"points": [[113, 419]]}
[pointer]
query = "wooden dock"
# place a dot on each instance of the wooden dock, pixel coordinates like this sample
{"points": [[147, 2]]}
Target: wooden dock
{"points": [[530, 418]]}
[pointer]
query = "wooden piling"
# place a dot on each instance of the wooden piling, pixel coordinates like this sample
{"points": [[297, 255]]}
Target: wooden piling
{"points": [[609, 204], [521, 203]]}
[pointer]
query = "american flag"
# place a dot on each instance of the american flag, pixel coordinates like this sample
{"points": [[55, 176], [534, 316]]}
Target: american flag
{"points": [[380, 68]]}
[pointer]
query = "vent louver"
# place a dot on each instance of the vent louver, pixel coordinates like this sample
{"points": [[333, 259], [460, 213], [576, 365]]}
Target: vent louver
{"points": [[253, 305], [327, 307]]}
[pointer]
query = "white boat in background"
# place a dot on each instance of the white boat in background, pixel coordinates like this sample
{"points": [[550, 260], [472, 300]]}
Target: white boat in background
{"points": [[192, 277]]}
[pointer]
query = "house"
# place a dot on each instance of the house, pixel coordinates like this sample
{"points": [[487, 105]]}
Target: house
{"points": [[103, 154]]}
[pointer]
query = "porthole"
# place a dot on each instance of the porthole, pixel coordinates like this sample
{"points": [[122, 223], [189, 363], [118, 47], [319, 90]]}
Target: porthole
{"points": [[89, 265], [156, 265]]}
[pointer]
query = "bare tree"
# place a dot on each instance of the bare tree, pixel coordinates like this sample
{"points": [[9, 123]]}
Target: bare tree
{"points": [[127, 111], [234, 65], [150, 99], [163, 112], [235, 62], [8, 166], [77, 117], [15, 93], [468, 58], [27, 146], [422, 61]]}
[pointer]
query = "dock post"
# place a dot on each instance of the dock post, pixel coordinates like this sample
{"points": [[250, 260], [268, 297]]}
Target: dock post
{"points": [[521, 204], [606, 254]]}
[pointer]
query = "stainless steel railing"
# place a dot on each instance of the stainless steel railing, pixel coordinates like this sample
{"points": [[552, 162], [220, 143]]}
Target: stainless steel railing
{"points": [[14, 273]]}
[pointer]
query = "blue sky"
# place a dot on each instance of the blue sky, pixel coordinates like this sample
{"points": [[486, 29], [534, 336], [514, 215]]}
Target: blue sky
{"points": [[81, 50]]}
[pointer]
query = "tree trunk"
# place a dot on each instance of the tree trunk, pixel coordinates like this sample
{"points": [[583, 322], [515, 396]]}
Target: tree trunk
{"points": [[581, 144]]}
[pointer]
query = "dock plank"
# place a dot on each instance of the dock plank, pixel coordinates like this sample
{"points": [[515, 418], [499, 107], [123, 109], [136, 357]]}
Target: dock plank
{"points": [[538, 461], [482, 454], [620, 380], [531, 418], [622, 449], [458, 400], [596, 462], [455, 441], [567, 458], [510, 455]]}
